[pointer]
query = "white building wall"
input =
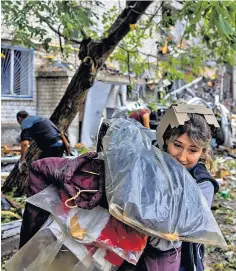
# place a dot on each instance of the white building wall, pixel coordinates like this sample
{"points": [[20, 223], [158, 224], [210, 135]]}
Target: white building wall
{"points": [[11, 107]]}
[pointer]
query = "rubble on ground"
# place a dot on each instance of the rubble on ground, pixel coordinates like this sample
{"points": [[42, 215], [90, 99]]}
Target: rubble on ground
{"points": [[10, 151], [219, 259]]}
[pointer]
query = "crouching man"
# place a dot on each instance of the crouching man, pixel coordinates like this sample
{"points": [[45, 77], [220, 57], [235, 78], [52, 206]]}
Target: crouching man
{"points": [[44, 132]]}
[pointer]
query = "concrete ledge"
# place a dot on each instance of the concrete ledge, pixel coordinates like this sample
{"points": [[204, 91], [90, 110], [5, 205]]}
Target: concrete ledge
{"points": [[103, 76], [52, 74], [117, 78]]}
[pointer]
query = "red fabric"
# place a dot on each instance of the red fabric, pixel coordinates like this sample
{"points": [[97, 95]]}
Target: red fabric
{"points": [[135, 115], [138, 115], [143, 112], [120, 238], [113, 258], [117, 234]]}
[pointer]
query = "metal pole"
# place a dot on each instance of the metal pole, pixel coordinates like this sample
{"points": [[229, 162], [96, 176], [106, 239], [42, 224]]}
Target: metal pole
{"points": [[222, 83], [183, 87]]}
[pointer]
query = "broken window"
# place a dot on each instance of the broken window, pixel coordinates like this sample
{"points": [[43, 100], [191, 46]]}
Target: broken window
{"points": [[16, 71]]}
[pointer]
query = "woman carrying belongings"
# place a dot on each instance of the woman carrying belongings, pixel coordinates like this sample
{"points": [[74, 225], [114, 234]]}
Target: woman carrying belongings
{"points": [[189, 143]]}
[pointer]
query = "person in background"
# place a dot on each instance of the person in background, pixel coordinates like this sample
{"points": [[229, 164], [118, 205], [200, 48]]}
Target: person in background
{"points": [[44, 132], [189, 144], [142, 116]]}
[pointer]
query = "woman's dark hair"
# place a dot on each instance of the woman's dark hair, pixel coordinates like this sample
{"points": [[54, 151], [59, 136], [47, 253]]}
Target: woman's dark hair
{"points": [[22, 114]]}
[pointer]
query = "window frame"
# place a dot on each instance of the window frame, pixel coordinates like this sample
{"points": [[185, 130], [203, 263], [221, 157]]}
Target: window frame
{"points": [[13, 96]]}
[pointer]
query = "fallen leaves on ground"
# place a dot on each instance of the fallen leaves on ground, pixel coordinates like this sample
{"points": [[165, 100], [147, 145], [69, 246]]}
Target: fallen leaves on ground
{"points": [[219, 259]]}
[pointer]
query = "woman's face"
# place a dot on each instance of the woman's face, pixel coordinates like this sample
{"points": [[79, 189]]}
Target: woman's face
{"points": [[185, 151]]}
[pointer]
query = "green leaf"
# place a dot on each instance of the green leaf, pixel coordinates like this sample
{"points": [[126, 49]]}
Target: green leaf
{"points": [[232, 15], [225, 26]]}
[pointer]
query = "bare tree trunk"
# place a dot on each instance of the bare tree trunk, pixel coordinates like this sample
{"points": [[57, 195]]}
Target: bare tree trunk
{"points": [[93, 54]]}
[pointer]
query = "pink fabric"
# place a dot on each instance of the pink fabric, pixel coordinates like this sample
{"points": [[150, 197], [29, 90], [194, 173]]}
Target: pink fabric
{"points": [[138, 115]]}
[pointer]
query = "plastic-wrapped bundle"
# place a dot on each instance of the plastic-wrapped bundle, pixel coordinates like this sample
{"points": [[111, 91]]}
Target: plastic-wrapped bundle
{"points": [[149, 190], [52, 248], [93, 227]]}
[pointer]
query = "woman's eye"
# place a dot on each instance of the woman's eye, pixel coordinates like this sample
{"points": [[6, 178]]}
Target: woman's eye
{"points": [[177, 145], [193, 151]]}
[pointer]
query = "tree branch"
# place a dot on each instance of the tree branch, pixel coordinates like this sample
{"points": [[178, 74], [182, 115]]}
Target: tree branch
{"points": [[55, 30], [60, 41], [130, 15], [83, 33], [155, 13], [60, 34], [181, 40], [128, 64], [99, 50], [150, 20], [137, 51]]}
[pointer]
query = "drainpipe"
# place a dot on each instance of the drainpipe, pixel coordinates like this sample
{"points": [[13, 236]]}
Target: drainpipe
{"points": [[222, 83], [123, 95]]}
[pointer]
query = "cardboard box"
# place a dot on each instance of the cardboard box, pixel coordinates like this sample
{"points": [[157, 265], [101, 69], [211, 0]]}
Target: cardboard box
{"points": [[178, 114]]}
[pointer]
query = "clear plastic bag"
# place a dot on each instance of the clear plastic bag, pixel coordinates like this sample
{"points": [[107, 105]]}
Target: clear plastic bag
{"points": [[51, 249], [86, 225], [94, 226], [40, 251], [149, 190]]}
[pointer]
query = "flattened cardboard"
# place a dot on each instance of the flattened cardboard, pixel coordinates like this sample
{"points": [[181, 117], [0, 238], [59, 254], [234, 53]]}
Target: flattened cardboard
{"points": [[211, 120], [178, 114], [189, 108]]}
